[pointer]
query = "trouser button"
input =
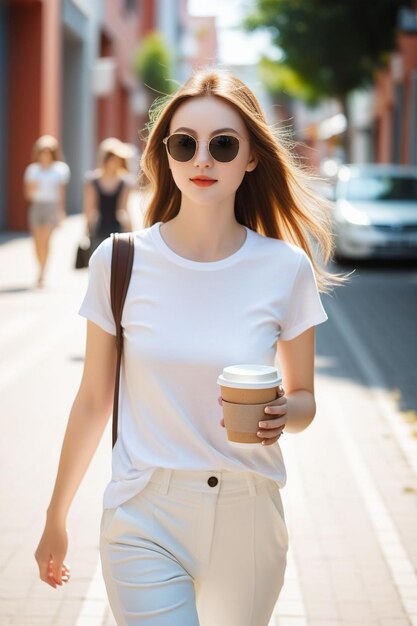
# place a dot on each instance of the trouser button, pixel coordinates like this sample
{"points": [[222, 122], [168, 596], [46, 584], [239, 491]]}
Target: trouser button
{"points": [[213, 481]]}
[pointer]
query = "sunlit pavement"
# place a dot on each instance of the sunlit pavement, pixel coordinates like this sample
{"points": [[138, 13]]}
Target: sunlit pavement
{"points": [[350, 500]]}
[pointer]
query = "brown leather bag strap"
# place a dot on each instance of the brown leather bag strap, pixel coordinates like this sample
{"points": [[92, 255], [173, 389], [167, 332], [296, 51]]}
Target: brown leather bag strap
{"points": [[121, 270]]}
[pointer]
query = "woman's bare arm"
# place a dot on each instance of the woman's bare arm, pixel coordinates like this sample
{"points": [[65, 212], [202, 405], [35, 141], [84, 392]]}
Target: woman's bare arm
{"points": [[62, 191], [29, 189], [296, 410], [122, 208], [87, 421], [88, 418], [90, 205]]}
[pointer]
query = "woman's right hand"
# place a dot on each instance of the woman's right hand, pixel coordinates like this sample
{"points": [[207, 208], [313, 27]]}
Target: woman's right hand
{"points": [[50, 555]]}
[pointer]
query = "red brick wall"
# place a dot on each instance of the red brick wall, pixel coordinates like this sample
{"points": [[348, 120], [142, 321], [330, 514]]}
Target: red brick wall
{"points": [[24, 102], [34, 91]]}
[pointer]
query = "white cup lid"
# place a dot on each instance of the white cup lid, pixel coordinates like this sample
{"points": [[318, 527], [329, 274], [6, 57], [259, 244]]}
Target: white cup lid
{"points": [[250, 377]]}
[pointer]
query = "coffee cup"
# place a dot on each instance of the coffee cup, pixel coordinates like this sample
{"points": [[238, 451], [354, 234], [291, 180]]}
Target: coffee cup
{"points": [[246, 390]]}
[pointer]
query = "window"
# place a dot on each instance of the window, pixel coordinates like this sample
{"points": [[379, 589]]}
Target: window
{"points": [[130, 5], [375, 188]]}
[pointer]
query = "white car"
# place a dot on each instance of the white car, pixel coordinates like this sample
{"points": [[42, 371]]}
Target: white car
{"points": [[375, 212]]}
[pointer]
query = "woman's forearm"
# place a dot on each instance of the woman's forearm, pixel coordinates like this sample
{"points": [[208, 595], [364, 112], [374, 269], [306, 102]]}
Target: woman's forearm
{"points": [[90, 207], [301, 410], [61, 201], [29, 190], [83, 434]]}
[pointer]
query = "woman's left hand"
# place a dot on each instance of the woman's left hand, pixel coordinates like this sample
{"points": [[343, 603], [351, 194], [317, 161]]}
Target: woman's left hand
{"points": [[270, 430], [272, 426]]}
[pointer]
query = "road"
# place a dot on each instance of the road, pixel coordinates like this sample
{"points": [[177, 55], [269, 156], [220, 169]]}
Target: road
{"points": [[351, 497]]}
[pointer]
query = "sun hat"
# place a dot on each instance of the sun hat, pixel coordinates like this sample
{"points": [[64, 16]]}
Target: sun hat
{"points": [[46, 142], [112, 145]]}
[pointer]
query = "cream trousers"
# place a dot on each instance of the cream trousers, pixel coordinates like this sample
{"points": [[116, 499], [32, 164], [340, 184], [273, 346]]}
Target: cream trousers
{"points": [[196, 549]]}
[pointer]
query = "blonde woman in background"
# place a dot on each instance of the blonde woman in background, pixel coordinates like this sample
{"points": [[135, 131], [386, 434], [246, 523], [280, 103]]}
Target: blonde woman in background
{"points": [[45, 182]]}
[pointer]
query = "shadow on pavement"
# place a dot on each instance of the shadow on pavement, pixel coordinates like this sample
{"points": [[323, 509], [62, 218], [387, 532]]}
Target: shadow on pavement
{"points": [[76, 358], [6, 290], [7, 237]]}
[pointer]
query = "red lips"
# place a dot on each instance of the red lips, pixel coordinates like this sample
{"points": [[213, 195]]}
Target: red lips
{"points": [[203, 181]]}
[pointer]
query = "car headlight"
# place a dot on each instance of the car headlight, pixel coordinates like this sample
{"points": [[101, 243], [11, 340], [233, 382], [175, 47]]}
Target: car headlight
{"points": [[352, 215]]}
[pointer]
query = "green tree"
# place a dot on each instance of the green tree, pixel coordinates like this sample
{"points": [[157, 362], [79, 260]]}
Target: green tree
{"points": [[152, 64], [327, 47]]}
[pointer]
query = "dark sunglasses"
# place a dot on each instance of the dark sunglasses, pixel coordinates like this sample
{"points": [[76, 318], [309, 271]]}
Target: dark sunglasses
{"points": [[182, 147]]}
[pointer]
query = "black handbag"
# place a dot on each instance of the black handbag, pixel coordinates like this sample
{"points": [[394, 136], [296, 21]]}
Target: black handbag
{"points": [[84, 251]]}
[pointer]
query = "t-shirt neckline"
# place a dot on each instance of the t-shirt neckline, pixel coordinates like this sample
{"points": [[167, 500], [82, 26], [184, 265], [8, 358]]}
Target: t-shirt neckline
{"points": [[200, 265]]}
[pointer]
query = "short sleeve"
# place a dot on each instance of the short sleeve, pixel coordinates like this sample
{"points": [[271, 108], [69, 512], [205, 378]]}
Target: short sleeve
{"points": [[90, 176], [304, 308], [96, 305], [64, 172], [30, 174], [129, 180]]}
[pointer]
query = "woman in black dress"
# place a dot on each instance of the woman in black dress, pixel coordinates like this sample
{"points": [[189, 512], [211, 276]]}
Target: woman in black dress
{"points": [[107, 190]]}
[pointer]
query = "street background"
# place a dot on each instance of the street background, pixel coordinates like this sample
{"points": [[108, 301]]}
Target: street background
{"points": [[85, 70]]}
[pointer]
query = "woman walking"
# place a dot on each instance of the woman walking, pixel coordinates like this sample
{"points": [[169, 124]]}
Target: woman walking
{"points": [[107, 190], [193, 531], [45, 181]]}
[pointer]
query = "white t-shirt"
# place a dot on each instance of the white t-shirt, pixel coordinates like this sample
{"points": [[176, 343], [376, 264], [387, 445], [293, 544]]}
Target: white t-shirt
{"points": [[184, 321], [49, 180]]}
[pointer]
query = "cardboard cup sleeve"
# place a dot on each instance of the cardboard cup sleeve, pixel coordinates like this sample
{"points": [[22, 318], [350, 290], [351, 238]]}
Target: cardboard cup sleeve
{"points": [[242, 421]]}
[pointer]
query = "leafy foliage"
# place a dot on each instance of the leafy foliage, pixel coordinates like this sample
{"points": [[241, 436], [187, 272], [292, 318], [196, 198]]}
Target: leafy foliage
{"points": [[152, 64], [281, 79], [329, 47]]}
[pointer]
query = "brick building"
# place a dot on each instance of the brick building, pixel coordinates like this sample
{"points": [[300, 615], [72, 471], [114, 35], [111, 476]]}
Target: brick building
{"points": [[65, 70], [395, 121]]}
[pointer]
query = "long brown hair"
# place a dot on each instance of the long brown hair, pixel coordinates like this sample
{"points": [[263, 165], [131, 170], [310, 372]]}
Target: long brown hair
{"points": [[275, 199]]}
